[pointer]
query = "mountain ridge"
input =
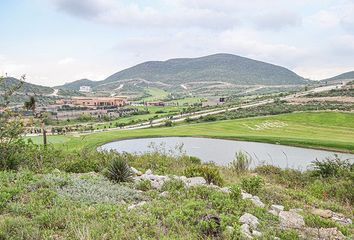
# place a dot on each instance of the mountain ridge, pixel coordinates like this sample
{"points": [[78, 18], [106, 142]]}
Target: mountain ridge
{"points": [[219, 67]]}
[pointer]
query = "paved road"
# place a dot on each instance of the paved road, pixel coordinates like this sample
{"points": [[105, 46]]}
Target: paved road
{"points": [[195, 115]]}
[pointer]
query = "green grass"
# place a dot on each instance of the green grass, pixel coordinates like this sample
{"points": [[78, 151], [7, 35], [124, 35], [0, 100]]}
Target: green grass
{"points": [[325, 130], [155, 94]]}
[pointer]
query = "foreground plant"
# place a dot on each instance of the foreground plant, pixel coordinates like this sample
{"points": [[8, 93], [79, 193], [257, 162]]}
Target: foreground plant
{"points": [[119, 171]]}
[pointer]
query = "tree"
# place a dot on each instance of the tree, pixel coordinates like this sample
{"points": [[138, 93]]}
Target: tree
{"points": [[11, 127], [30, 105]]}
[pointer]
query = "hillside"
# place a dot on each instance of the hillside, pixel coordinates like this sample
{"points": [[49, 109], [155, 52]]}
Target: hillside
{"points": [[76, 84], [209, 73], [27, 88], [343, 76]]}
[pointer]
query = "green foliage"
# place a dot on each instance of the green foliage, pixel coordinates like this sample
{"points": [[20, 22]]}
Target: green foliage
{"points": [[332, 167], [208, 171], [119, 171], [143, 185], [235, 193], [84, 117], [168, 123], [173, 185], [252, 184], [241, 162]]}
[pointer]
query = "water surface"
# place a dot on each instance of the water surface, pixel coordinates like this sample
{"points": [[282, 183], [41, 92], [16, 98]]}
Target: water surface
{"points": [[223, 151]]}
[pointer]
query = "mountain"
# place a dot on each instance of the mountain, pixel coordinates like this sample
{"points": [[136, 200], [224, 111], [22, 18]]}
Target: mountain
{"points": [[26, 88], [343, 76], [76, 84], [218, 70]]}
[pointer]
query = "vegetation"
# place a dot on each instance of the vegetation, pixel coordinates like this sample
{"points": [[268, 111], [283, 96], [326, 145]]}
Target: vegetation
{"points": [[119, 171], [327, 130], [241, 162]]}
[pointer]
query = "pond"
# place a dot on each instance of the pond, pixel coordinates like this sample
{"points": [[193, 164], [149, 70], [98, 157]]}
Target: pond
{"points": [[222, 151]]}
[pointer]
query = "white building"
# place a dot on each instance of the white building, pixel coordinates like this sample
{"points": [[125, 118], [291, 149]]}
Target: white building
{"points": [[85, 89]]}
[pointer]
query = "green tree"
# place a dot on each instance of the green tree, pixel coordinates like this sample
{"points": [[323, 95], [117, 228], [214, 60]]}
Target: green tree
{"points": [[11, 127]]}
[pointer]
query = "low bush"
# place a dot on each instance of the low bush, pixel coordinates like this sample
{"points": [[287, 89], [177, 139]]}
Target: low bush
{"points": [[235, 193], [119, 171], [332, 167], [173, 185], [209, 172], [252, 184], [241, 162], [143, 185]]}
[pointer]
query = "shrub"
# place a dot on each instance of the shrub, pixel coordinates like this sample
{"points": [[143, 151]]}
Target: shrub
{"points": [[252, 185], [173, 185], [168, 123], [195, 160], [235, 193], [209, 172], [143, 185], [241, 162], [268, 170], [119, 171], [332, 167]]}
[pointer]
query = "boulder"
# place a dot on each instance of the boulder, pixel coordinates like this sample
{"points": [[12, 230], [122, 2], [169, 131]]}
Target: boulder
{"points": [[322, 213], [249, 219], [256, 201], [135, 171], [330, 234], [245, 231], [225, 190], [164, 194], [341, 219], [195, 181], [148, 172], [276, 209], [256, 233], [291, 220]]}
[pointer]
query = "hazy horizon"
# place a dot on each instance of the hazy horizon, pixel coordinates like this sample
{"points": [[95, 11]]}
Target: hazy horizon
{"points": [[58, 41]]}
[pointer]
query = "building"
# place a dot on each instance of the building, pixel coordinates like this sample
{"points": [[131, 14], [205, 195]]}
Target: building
{"points": [[85, 89], [99, 101], [155, 103], [213, 102]]}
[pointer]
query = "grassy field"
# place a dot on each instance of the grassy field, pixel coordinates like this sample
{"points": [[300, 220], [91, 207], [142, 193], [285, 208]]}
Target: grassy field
{"points": [[326, 130], [155, 94]]}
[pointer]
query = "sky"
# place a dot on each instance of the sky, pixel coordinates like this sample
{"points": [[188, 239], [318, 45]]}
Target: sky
{"points": [[58, 41]]}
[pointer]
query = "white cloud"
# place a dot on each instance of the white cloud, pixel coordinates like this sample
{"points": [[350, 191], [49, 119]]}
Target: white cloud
{"points": [[66, 61]]}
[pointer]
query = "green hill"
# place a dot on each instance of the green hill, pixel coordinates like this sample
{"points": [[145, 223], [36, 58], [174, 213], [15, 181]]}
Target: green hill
{"points": [[343, 76], [26, 88], [225, 70]]}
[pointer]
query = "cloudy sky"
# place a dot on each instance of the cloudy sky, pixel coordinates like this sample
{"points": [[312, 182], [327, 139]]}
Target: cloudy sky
{"points": [[57, 41]]}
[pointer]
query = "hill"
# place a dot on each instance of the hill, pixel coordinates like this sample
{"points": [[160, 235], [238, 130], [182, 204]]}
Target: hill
{"points": [[26, 88], [343, 76], [76, 84], [214, 72]]}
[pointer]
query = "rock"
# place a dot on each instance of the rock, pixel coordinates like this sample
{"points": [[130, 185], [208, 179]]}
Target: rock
{"points": [[246, 195], [341, 219], [245, 231], [137, 205], [164, 194], [135, 171], [195, 181], [309, 233], [256, 201], [148, 172], [291, 220], [250, 220], [276, 209], [225, 190], [330, 234], [229, 230], [256, 233], [322, 213]]}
